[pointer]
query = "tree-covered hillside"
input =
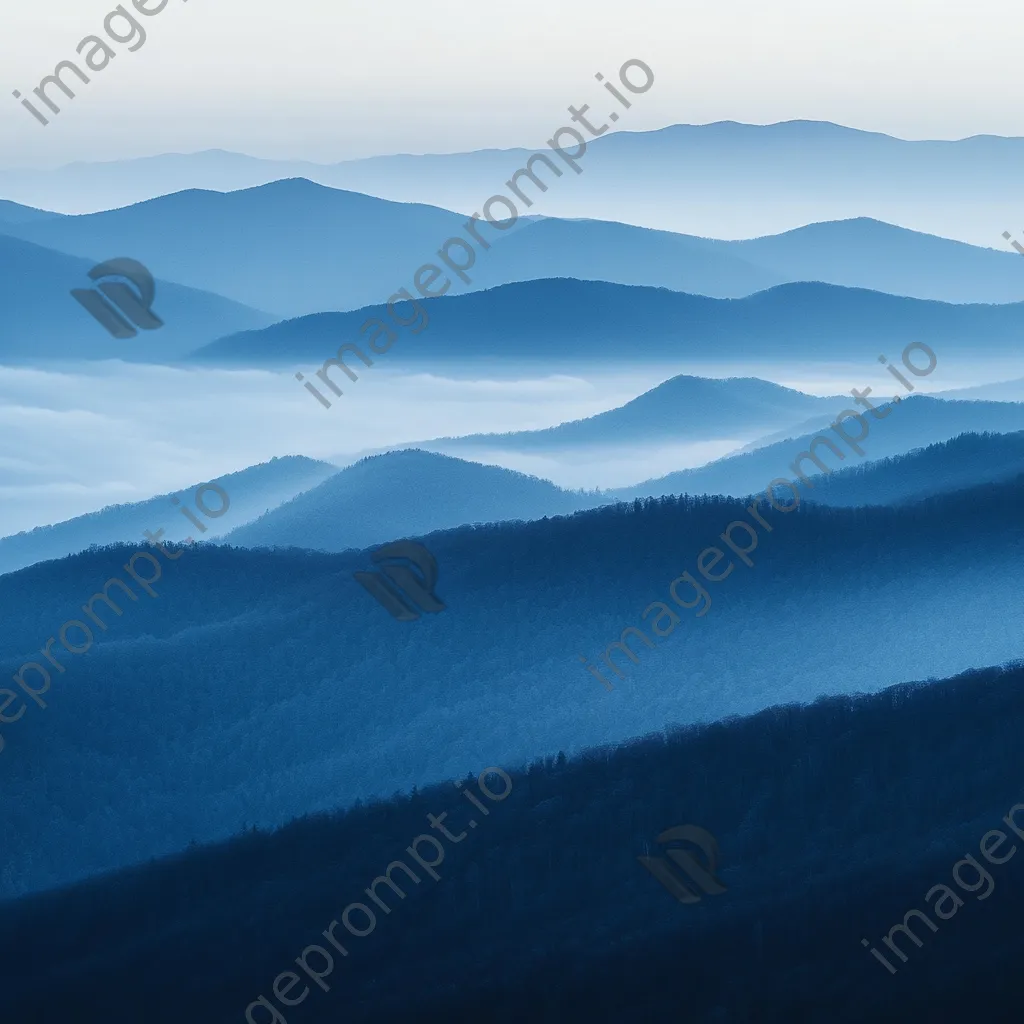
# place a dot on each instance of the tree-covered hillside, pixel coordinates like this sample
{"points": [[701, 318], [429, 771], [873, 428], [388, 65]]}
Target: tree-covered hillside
{"points": [[832, 820], [259, 685]]}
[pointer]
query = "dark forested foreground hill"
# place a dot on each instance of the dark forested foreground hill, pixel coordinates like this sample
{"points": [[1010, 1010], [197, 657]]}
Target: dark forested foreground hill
{"points": [[833, 821], [259, 685]]}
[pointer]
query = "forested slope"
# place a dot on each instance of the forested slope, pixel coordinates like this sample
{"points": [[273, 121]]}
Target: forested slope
{"points": [[258, 685], [833, 820]]}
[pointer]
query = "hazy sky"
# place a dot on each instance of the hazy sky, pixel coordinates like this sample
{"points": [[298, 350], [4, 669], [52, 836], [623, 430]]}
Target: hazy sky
{"points": [[327, 80]]}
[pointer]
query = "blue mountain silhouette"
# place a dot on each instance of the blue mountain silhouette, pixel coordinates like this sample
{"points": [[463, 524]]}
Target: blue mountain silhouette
{"points": [[294, 247], [684, 408], [916, 422], [39, 320], [720, 180], [402, 494], [412, 492], [570, 320], [252, 492], [857, 253], [289, 247], [15, 213], [965, 461]]}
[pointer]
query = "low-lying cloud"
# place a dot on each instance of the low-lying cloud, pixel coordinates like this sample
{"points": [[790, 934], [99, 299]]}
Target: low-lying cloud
{"points": [[77, 439]]}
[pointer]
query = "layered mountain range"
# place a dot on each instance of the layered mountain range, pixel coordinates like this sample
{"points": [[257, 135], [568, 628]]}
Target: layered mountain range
{"points": [[203, 775]]}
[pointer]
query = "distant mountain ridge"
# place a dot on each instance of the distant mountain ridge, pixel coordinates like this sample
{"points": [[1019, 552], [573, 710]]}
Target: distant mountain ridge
{"points": [[15, 213], [304, 503], [251, 492], [1000, 391], [403, 494], [39, 319], [719, 180], [289, 247], [411, 492], [566, 320], [295, 248], [857, 253], [864, 252], [682, 408], [916, 422]]}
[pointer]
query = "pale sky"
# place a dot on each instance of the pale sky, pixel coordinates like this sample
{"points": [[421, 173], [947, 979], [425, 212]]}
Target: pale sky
{"points": [[328, 80]]}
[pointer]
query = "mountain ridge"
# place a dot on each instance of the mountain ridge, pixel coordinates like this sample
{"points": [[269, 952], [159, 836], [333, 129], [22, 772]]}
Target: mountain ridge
{"points": [[568, 319], [916, 422], [39, 319], [273, 481], [721, 407], [289, 245], [279, 647], [751, 179]]}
